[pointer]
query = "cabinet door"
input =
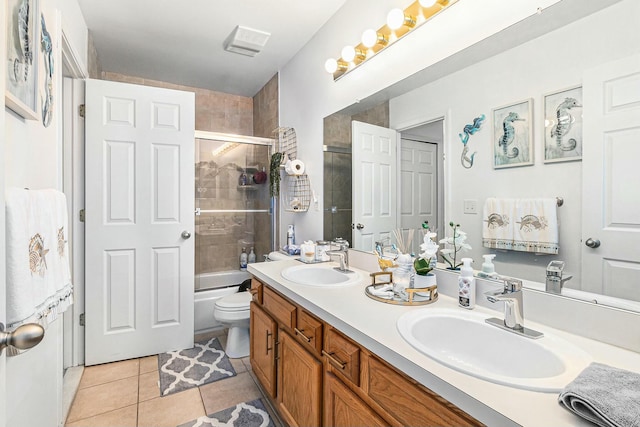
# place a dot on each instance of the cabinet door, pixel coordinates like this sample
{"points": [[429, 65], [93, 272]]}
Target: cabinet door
{"points": [[342, 408], [263, 329], [299, 383]]}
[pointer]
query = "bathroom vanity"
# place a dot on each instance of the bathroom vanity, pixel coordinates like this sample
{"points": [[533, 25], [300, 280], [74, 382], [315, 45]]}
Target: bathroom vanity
{"points": [[332, 356]]}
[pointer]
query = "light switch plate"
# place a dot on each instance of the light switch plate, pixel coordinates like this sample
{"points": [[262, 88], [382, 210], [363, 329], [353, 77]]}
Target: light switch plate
{"points": [[470, 206]]}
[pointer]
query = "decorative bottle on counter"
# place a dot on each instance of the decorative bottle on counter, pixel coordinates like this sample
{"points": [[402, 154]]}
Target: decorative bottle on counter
{"points": [[252, 256], [466, 285], [243, 259]]}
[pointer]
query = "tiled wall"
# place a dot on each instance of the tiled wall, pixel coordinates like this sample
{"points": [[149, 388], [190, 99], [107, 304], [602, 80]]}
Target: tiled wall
{"points": [[265, 109]]}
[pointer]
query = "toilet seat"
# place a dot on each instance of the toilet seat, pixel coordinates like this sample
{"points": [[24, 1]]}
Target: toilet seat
{"points": [[235, 302]]}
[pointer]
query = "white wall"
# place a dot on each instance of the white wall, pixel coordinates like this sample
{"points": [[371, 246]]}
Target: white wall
{"points": [[308, 93], [33, 159], [547, 64]]}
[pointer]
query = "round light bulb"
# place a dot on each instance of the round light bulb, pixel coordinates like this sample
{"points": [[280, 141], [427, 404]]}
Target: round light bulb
{"points": [[331, 65], [369, 38], [348, 53], [427, 3], [395, 19]]}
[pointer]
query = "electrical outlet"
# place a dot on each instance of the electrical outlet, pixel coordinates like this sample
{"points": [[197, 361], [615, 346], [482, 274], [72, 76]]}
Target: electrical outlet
{"points": [[470, 206]]}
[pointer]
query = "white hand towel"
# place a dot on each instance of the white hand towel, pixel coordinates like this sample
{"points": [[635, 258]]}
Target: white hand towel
{"points": [[497, 227], [38, 276], [536, 228]]}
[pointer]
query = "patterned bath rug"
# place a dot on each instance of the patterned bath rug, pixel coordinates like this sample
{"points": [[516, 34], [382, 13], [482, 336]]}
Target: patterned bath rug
{"points": [[247, 414], [205, 363]]}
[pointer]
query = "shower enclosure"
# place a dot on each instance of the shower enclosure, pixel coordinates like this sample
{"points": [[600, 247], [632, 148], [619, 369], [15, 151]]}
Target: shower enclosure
{"points": [[232, 206]]}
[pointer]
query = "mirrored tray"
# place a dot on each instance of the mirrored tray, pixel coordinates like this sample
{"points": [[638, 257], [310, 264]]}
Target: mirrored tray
{"points": [[415, 296]]}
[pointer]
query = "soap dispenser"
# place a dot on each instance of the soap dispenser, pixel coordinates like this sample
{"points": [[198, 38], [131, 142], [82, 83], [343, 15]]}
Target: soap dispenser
{"points": [[488, 269], [466, 285]]}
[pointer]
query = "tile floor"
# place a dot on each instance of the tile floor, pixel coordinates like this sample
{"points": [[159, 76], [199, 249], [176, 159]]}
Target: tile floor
{"points": [[127, 394]]}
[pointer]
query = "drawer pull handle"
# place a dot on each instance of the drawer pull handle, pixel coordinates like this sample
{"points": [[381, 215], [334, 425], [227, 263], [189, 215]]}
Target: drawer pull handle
{"points": [[299, 332], [333, 359], [268, 335]]}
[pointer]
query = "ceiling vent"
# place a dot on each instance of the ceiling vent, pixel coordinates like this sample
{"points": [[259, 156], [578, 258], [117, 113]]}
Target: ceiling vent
{"points": [[246, 41]]}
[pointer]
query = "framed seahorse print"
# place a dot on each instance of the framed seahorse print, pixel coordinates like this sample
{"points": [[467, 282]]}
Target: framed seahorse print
{"points": [[21, 66], [563, 125], [513, 135]]}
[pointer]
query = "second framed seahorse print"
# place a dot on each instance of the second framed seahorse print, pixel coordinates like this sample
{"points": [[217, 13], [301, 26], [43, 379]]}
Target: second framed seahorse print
{"points": [[563, 125], [513, 135]]}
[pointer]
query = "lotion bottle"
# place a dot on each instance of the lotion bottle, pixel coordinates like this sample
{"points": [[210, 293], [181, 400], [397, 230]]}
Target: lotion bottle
{"points": [[243, 259], [466, 285], [252, 257]]}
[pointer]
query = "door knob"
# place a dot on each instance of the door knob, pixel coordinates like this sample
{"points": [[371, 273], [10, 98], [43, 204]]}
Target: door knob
{"points": [[23, 338], [592, 243], [359, 226], [185, 234]]}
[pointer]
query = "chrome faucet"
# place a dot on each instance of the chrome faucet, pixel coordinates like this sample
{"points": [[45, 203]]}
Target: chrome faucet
{"points": [[511, 295], [343, 253], [555, 280]]}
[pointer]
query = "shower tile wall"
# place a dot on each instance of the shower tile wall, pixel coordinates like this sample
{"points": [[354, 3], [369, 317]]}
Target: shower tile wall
{"points": [[220, 236]]}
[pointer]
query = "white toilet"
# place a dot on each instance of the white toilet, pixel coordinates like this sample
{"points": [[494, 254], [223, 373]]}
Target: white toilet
{"points": [[233, 312]]}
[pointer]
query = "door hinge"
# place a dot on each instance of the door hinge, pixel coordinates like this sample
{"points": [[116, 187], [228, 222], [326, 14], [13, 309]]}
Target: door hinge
{"points": [[81, 215], [81, 319], [81, 110]]}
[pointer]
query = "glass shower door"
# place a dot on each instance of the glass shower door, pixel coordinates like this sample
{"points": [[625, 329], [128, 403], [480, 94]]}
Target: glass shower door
{"points": [[232, 205]]}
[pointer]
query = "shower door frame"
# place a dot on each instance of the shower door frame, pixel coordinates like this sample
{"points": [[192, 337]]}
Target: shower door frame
{"points": [[241, 139]]}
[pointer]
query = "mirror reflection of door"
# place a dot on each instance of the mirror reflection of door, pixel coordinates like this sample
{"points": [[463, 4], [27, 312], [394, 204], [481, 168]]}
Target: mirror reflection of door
{"points": [[418, 186], [374, 184]]}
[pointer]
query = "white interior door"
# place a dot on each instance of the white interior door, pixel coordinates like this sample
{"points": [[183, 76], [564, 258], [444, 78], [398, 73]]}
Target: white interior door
{"points": [[139, 274], [374, 161], [611, 177], [418, 184]]}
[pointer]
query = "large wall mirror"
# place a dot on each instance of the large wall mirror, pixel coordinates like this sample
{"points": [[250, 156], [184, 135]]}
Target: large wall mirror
{"points": [[533, 64]]}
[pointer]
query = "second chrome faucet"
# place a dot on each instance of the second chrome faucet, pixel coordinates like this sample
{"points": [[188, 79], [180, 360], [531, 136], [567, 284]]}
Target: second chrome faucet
{"points": [[511, 295]]}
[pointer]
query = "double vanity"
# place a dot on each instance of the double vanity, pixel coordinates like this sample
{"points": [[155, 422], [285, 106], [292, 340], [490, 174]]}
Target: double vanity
{"points": [[326, 354]]}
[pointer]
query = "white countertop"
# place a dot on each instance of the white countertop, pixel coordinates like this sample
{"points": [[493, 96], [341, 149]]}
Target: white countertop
{"points": [[373, 325]]}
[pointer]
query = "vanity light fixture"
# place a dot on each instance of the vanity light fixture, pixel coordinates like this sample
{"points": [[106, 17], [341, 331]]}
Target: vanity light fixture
{"points": [[370, 38], [399, 23], [397, 18]]}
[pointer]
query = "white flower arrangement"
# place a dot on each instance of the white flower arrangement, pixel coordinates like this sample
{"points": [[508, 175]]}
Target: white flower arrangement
{"points": [[457, 241], [429, 248]]}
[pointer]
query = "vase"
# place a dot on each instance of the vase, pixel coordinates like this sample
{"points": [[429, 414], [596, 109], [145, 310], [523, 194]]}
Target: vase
{"points": [[424, 281]]}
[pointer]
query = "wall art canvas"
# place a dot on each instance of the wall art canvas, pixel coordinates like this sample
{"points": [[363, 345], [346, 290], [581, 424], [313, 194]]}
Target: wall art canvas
{"points": [[21, 63], [513, 135], [563, 125]]}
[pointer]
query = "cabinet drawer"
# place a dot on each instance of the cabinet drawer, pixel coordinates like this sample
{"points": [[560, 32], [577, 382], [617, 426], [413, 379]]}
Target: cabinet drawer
{"points": [[282, 310], [256, 290], [409, 402], [308, 331], [342, 355]]}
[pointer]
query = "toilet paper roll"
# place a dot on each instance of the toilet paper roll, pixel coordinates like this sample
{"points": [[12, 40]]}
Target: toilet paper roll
{"points": [[294, 167]]}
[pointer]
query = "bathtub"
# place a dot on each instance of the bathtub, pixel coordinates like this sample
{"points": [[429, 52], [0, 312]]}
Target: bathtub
{"points": [[211, 287]]}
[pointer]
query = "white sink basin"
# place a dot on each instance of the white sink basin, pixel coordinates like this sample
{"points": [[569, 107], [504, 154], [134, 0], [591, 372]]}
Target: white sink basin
{"points": [[463, 341], [320, 275]]}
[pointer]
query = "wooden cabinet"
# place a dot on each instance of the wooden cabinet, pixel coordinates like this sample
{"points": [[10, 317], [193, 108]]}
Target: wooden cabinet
{"points": [[299, 383], [343, 408], [262, 348], [343, 355], [407, 401], [326, 378]]}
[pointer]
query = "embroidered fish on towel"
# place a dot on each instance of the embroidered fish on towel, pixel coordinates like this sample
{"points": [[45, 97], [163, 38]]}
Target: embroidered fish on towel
{"points": [[531, 222], [496, 220], [61, 241], [37, 252]]}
